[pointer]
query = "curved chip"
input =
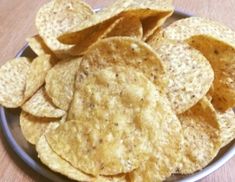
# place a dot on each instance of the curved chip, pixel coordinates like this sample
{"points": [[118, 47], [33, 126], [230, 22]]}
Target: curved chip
{"points": [[123, 51], [151, 13], [186, 28], [57, 164], [13, 76], [37, 44], [201, 135], [57, 17], [33, 127], [124, 26], [227, 126], [37, 73], [190, 74], [121, 100], [40, 105], [129, 26], [217, 43], [60, 82]]}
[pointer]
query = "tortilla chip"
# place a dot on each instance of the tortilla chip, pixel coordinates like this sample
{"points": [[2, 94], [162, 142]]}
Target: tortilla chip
{"points": [[217, 43], [33, 127], [57, 164], [201, 141], [128, 27], [123, 51], [40, 105], [124, 26], [38, 46], [190, 74], [103, 98], [13, 76], [58, 16], [60, 82], [222, 60], [227, 126], [98, 23], [37, 73]]}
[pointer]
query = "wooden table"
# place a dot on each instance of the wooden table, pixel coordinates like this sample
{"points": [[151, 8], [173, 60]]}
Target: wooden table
{"points": [[17, 23]]}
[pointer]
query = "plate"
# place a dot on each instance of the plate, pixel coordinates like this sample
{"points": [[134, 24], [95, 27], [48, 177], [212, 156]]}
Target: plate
{"points": [[11, 130]]}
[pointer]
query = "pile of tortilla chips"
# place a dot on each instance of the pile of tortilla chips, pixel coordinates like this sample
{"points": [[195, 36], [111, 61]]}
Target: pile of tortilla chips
{"points": [[113, 96]]}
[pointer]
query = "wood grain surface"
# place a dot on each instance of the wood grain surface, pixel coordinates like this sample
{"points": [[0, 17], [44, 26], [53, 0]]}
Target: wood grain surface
{"points": [[17, 23]]}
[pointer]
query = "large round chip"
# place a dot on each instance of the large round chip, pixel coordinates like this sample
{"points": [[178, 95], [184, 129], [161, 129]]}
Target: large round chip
{"points": [[217, 43], [57, 17], [118, 116], [151, 13], [60, 82], [37, 73], [201, 137], [190, 74], [123, 51], [13, 76], [40, 105]]}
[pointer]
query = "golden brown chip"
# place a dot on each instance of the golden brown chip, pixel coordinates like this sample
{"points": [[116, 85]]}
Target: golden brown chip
{"points": [[227, 126], [222, 60], [129, 26], [190, 74], [151, 13], [40, 105], [37, 73], [13, 76], [57, 17], [217, 43], [33, 127], [60, 82], [201, 137], [119, 97], [124, 26], [123, 51], [57, 164], [38, 46]]}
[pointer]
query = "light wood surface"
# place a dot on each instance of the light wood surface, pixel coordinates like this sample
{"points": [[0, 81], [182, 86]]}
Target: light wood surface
{"points": [[17, 23]]}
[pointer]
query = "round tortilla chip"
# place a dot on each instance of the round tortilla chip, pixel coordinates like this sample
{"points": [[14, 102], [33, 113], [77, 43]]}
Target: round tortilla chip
{"points": [[57, 164], [40, 105], [60, 82], [13, 76], [119, 97], [57, 17], [33, 127], [98, 23], [186, 28], [37, 73], [222, 60], [190, 74], [217, 43], [201, 137], [123, 51], [38, 46]]}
